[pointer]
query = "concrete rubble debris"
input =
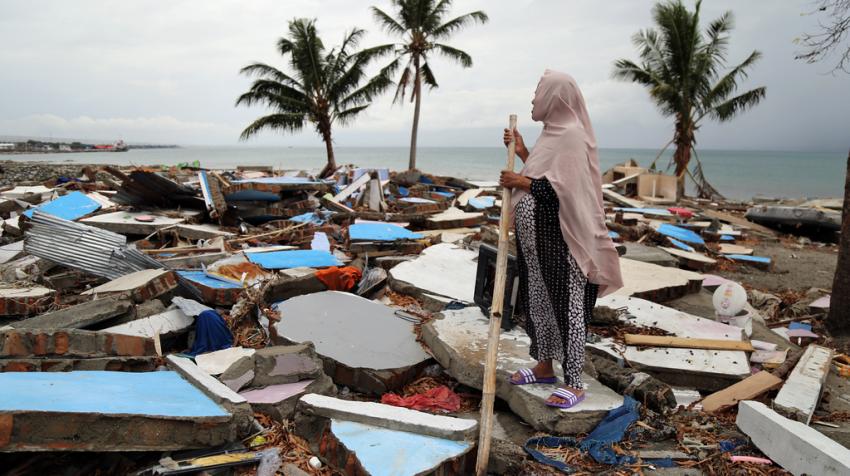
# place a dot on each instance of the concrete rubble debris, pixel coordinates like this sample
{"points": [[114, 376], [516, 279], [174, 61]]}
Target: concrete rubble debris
{"points": [[142, 285], [799, 396], [80, 316]]}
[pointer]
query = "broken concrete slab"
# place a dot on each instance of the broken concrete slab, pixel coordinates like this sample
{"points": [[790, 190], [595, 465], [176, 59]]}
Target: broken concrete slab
{"points": [[63, 364], [142, 285], [795, 446], [455, 218], [691, 259], [648, 254], [215, 292], [363, 344], [203, 231], [156, 326], [80, 316], [11, 252], [388, 416], [132, 223], [445, 270], [25, 268], [279, 401], [459, 343], [215, 363], [730, 249], [798, 398], [108, 411], [708, 370], [25, 301], [285, 364], [656, 283]]}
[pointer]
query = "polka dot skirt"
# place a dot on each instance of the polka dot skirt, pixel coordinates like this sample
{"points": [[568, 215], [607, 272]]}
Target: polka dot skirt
{"points": [[555, 296]]}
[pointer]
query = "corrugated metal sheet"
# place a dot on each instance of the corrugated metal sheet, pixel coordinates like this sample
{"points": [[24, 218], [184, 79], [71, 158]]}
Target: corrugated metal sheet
{"points": [[74, 245]]}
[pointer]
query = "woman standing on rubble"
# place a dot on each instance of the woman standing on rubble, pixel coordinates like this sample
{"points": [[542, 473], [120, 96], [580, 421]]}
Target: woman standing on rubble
{"points": [[565, 255]]}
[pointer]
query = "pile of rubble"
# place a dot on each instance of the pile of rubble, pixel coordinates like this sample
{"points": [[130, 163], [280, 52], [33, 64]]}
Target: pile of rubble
{"points": [[277, 323]]}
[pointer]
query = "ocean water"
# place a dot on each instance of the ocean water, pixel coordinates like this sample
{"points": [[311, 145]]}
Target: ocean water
{"points": [[736, 174]]}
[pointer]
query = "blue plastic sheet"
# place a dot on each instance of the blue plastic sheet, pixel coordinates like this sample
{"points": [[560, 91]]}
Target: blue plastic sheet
{"points": [[613, 235], [211, 334], [309, 217], [380, 232], [680, 245], [680, 234], [482, 203], [727, 238], [294, 259], [749, 259], [72, 206]]}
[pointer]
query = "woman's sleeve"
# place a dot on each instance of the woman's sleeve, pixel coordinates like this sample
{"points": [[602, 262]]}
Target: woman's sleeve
{"points": [[543, 193]]}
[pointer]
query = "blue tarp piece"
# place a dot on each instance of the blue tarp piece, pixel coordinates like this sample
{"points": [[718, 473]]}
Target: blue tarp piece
{"points": [[727, 446], [481, 203], [651, 211], [680, 234], [383, 174], [800, 325], [613, 235], [211, 334], [612, 429], [380, 232], [320, 242], [424, 179], [294, 259], [72, 206], [309, 217], [443, 194], [680, 245], [727, 238], [751, 259], [403, 191]]}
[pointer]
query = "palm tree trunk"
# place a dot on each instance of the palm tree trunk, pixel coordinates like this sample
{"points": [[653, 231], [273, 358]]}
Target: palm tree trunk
{"points": [[682, 156], [330, 168], [838, 319], [417, 91]]}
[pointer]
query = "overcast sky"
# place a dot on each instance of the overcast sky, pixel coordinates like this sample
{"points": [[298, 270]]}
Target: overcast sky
{"points": [[167, 71]]}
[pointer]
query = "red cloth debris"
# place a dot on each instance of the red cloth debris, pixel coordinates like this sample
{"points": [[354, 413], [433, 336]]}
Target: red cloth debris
{"points": [[339, 279], [438, 399], [682, 212]]}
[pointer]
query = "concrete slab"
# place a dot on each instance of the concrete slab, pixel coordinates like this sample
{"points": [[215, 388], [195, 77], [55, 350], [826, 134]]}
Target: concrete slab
{"points": [[166, 323], [445, 270], [279, 401], [215, 363], [107, 411], [455, 218], [459, 342], [215, 292], [691, 259], [388, 416], [81, 315], [142, 285], [707, 370], [363, 344], [795, 446], [798, 398], [70, 343], [648, 254], [203, 231], [25, 301], [126, 223], [656, 283], [12, 251], [22, 191]]}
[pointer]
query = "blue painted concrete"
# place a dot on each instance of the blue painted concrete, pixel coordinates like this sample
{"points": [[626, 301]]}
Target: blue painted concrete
{"points": [[680, 245], [309, 217], [72, 206], [417, 200], [200, 277], [727, 238], [134, 393], [481, 203], [680, 234], [320, 242], [294, 259], [752, 259], [252, 196], [380, 232], [613, 235], [443, 194], [385, 452]]}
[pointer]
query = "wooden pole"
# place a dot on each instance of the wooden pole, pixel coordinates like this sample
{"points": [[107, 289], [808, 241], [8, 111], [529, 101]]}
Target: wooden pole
{"points": [[489, 388]]}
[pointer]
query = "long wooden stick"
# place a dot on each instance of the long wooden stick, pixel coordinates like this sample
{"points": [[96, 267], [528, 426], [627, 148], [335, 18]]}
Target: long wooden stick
{"points": [[489, 388]]}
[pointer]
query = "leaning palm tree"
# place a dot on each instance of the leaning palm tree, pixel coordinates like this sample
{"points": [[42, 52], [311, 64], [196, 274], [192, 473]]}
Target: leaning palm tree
{"points": [[324, 87], [422, 25], [683, 69]]}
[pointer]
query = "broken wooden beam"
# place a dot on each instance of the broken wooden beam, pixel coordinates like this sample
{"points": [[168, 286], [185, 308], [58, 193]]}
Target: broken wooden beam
{"points": [[747, 389], [687, 343]]}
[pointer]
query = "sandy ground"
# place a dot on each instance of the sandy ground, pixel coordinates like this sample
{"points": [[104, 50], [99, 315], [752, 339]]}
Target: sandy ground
{"points": [[798, 269]]}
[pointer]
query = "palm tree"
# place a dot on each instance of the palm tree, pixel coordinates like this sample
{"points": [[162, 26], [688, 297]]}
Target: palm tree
{"points": [[421, 25], [682, 67], [324, 87]]}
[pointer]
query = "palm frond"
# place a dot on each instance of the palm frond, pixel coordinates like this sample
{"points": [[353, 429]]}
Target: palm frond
{"points": [[727, 84], [345, 117], [731, 107], [403, 81], [273, 94], [446, 29], [460, 56], [286, 122], [387, 22], [262, 69], [428, 77]]}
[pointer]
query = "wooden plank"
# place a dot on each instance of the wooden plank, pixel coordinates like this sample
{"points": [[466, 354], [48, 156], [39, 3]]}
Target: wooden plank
{"points": [[686, 343], [742, 222], [621, 200], [747, 389], [352, 187]]}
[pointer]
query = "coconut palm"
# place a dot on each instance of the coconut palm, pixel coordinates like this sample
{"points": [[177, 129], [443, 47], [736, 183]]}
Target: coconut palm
{"points": [[683, 68], [422, 26], [323, 88]]}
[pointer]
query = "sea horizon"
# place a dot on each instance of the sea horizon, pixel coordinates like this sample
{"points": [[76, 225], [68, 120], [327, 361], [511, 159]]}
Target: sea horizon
{"points": [[738, 174]]}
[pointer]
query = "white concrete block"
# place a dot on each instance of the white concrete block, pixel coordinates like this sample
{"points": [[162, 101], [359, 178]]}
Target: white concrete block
{"points": [[217, 362], [796, 447], [197, 376], [800, 394]]}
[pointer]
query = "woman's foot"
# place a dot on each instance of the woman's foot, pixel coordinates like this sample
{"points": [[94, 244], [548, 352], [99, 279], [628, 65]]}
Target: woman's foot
{"points": [[542, 371], [565, 397]]}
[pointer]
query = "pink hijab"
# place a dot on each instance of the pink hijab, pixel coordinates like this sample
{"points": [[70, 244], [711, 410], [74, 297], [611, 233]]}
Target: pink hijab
{"points": [[566, 155]]}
